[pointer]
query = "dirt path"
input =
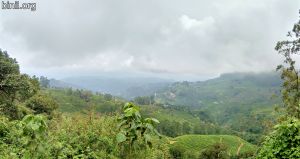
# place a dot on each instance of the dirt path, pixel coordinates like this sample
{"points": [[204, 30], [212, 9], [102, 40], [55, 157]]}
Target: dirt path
{"points": [[239, 149], [172, 142]]}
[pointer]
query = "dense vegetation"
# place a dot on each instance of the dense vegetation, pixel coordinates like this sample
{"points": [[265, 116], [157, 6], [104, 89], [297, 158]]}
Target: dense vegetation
{"points": [[30, 127], [82, 100], [19, 93], [284, 141], [192, 146], [74, 136], [242, 102], [174, 121], [218, 106]]}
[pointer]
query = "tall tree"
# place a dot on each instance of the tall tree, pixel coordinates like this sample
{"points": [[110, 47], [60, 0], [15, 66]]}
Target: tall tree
{"points": [[290, 71], [44, 82], [16, 89]]}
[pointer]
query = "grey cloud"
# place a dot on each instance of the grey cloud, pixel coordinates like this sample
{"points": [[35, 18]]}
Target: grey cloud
{"points": [[197, 37]]}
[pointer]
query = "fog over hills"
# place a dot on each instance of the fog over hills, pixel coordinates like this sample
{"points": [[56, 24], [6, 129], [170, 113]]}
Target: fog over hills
{"points": [[132, 86], [126, 87]]}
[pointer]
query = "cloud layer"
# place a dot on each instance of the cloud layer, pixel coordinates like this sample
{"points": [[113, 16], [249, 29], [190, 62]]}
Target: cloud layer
{"points": [[204, 37]]}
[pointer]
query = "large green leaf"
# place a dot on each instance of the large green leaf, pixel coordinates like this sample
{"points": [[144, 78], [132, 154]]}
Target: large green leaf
{"points": [[152, 120], [120, 137]]}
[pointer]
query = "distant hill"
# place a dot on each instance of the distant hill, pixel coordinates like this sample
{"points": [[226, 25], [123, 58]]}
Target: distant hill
{"points": [[241, 101], [70, 100], [235, 103], [234, 88], [61, 84], [126, 87], [192, 145]]}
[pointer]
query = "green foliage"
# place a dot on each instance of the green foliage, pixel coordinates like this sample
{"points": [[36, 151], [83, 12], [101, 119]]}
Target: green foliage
{"points": [[15, 88], [41, 104], [176, 121], [193, 145], [33, 135], [283, 142], [82, 136], [144, 100], [70, 100], [290, 73], [133, 128], [242, 102], [23, 139], [67, 136], [216, 151]]}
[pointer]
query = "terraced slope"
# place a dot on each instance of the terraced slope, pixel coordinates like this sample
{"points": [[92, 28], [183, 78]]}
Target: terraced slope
{"points": [[194, 144]]}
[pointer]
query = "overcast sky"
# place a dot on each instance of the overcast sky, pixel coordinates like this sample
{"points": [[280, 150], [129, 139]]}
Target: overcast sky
{"points": [[176, 37]]}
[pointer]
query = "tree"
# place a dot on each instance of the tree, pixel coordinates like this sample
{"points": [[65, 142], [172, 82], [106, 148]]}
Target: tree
{"points": [[15, 87], [41, 104], [144, 100], [108, 97], [19, 92], [44, 82], [284, 141], [216, 151], [290, 72]]}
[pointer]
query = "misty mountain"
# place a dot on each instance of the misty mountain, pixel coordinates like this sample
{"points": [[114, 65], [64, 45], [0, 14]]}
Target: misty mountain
{"points": [[126, 87], [229, 98], [241, 88], [54, 83]]}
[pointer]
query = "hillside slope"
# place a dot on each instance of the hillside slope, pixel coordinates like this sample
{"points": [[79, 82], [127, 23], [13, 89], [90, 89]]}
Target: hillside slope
{"points": [[233, 88], [194, 144], [81, 101], [232, 99], [242, 102]]}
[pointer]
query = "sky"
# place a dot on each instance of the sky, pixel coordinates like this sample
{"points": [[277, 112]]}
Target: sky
{"points": [[176, 39]]}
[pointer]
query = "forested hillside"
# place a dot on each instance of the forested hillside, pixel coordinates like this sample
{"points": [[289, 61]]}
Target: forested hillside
{"points": [[76, 100], [244, 102], [228, 89], [224, 106]]}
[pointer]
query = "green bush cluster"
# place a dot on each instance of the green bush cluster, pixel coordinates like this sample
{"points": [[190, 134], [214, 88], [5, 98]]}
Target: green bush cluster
{"points": [[75, 100], [216, 151], [283, 142], [68, 136], [19, 93], [210, 146], [79, 135], [24, 138]]}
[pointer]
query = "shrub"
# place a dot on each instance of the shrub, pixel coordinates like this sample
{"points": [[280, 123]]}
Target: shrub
{"points": [[135, 132], [283, 142], [176, 153], [216, 151], [41, 104]]}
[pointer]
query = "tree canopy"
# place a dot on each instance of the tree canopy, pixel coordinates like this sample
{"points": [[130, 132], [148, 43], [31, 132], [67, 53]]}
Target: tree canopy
{"points": [[290, 72], [16, 88]]}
